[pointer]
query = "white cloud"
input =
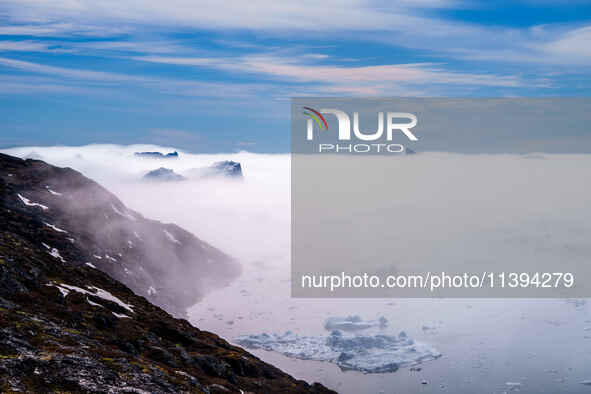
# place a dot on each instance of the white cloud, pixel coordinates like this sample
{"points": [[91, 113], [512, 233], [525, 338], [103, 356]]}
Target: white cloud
{"points": [[28, 46], [212, 14], [362, 79], [573, 46]]}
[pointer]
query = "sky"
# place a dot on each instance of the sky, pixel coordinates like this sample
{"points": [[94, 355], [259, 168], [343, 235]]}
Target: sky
{"points": [[217, 76]]}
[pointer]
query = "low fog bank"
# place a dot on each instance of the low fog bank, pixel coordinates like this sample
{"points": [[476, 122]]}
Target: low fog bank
{"points": [[242, 218], [530, 206]]}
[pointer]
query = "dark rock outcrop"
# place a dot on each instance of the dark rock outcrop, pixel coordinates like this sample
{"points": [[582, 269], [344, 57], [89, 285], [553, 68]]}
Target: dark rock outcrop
{"points": [[163, 174], [66, 326], [227, 168], [158, 155], [222, 169], [84, 222]]}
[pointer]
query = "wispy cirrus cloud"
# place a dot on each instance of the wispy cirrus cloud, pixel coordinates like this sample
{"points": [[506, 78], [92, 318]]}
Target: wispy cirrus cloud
{"points": [[24, 46], [410, 24], [67, 72], [364, 79], [211, 14]]}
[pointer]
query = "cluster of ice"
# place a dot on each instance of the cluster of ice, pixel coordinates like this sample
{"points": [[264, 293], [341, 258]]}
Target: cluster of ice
{"points": [[366, 353], [353, 323]]}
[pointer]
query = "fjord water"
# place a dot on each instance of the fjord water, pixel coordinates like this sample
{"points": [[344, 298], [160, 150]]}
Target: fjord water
{"points": [[487, 345]]}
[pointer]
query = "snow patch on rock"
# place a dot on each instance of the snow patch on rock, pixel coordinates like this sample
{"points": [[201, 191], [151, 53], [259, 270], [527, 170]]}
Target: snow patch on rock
{"points": [[93, 291], [28, 203], [53, 252], [53, 192], [53, 227], [171, 237]]}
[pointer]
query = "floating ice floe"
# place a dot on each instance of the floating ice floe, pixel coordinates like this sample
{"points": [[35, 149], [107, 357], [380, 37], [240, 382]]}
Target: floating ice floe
{"points": [[366, 353], [353, 323], [151, 290], [28, 203], [171, 237], [91, 265], [110, 258], [96, 256], [59, 230]]}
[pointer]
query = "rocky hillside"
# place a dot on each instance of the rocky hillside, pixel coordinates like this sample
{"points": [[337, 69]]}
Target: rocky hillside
{"points": [[66, 326], [83, 222]]}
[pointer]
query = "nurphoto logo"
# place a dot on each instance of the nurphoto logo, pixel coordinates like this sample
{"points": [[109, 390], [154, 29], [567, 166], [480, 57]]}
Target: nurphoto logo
{"points": [[396, 122]]}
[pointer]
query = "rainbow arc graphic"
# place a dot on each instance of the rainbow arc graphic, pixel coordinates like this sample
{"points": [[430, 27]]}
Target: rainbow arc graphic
{"points": [[317, 116]]}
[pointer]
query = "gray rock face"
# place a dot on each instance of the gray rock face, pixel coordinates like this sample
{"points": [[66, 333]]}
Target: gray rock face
{"points": [[84, 222]]}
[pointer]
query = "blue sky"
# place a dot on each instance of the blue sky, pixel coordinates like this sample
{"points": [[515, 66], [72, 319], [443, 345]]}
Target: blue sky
{"points": [[211, 76]]}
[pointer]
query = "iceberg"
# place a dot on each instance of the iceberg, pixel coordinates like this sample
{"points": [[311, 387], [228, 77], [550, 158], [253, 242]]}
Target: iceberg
{"points": [[353, 323], [365, 353]]}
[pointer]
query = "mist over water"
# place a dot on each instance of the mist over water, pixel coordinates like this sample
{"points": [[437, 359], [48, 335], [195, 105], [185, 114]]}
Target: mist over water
{"points": [[542, 344]]}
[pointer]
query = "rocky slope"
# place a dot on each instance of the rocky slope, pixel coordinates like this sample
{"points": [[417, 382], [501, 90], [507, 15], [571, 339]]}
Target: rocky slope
{"points": [[66, 326], [85, 223]]}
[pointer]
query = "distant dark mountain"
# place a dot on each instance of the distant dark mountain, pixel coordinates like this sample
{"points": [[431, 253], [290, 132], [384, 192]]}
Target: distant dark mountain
{"points": [[227, 168], [163, 174], [86, 223], [158, 155], [222, 169], [67, 326]]}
